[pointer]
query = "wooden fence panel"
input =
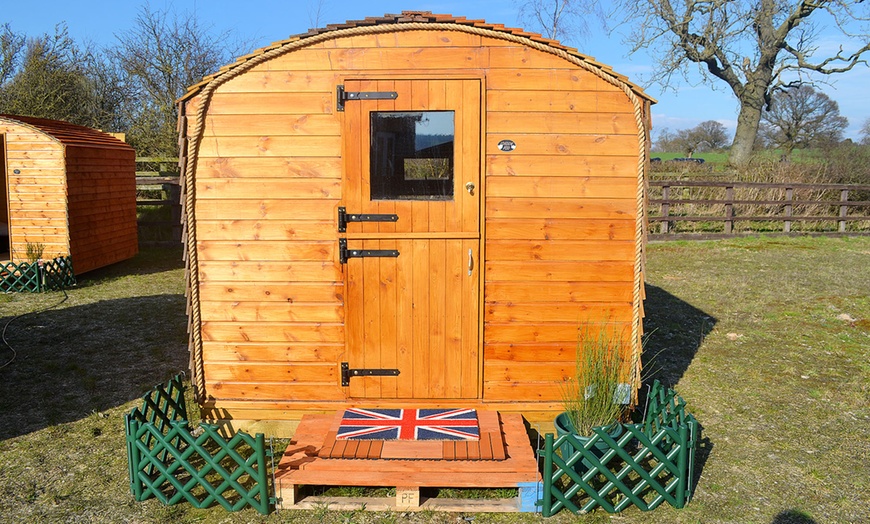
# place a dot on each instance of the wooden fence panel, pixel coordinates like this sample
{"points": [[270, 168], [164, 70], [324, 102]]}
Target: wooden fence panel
{"points": [[158, 201], [695, 208]]}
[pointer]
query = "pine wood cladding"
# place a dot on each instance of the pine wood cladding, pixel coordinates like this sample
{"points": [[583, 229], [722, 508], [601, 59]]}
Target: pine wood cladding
{"points": [[550, 227], [71, 189]]}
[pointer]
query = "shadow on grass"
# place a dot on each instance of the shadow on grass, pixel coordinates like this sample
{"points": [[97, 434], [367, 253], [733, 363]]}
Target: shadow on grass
{"points": [[150, 260], [792, 516], [79, 360], [674, 331]]}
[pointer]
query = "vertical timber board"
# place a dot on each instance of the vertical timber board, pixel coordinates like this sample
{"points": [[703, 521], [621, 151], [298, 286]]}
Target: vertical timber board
{"points": [[432, 306], [389, 302], [421, 250]]}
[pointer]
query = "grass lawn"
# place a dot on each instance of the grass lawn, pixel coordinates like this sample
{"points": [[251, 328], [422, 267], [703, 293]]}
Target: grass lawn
{"points": [[767, 339]]}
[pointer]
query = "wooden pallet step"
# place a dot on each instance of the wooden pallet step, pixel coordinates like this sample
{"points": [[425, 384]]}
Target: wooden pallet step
{"points": [[450, 505], [502, 459]]}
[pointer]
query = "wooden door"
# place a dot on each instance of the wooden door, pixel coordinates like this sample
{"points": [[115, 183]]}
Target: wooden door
{"points": [[415, 160]]}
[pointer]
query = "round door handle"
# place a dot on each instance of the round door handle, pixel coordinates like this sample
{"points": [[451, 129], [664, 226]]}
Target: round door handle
{"points": [[469, 186]]}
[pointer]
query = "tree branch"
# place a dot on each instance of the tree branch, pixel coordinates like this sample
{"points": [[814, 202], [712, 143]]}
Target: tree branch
{"points": [[822, 67]]}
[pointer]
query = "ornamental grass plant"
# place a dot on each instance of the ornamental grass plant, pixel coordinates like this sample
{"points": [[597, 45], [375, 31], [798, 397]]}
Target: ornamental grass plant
{"points": [[597, 393]]}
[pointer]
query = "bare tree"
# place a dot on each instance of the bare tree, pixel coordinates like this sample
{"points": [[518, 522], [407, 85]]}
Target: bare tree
{"points": [[161, 56], [756, 47], [557, 19], [316, 11], [711, 135], [802, 118], [664, 141], [685, 142], [11, 46], [112, 92], [865, 133], [706, 136]]}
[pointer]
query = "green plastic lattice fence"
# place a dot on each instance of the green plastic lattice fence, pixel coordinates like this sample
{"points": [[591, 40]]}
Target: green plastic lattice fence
{"points": [[648, 464], [43, 275], [169, 460]]}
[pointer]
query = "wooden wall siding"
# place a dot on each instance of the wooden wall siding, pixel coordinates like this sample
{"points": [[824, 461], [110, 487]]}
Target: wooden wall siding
{"points": [[268, 184], [37, 195], [559, 215], [560, 218], [102, 206]]}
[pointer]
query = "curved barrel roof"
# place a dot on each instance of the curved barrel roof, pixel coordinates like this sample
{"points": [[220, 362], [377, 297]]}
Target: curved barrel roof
{"points": [[415, 17], [68, 134]]}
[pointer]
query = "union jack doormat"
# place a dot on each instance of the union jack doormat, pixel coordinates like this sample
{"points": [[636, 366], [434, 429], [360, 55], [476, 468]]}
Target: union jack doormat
{"points": [[409, 424]]}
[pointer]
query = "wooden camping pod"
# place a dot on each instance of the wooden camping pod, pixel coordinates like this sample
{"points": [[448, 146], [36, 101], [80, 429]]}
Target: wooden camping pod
{"points": [[470, 271], [70, 188]]}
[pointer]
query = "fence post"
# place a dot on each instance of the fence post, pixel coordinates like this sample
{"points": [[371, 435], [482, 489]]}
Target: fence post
{"points": [[666, 208], [39, 286], [547, 500], [844, 210], [263, 473], [729, 209], [789, 194], [174, 196], [683, 465], [133, 458]]}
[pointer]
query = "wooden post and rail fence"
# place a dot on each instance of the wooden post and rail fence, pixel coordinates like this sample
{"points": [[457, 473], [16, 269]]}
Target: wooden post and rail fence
{"points": [[692, 209], [158, 201], [695, 209]]}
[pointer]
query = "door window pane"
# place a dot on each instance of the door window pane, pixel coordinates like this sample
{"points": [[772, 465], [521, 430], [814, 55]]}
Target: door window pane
{"points": [[412, 155]]}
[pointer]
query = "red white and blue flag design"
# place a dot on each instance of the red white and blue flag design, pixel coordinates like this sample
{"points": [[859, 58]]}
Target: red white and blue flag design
{"points": [[409, 424]]}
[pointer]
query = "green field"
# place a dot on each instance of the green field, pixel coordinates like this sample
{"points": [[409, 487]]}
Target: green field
{"points": [[719, 158], [768, 340]]}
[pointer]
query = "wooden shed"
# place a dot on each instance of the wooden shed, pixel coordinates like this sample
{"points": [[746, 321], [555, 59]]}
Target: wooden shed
{"points": [[415, 210], [70, 188]]}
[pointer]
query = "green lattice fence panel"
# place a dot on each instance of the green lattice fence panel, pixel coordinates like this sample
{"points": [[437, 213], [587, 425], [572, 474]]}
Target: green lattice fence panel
{"points": [[161, 406], [648, 464], [169, 460], [57, 273], [37, 277], [19, 277]]}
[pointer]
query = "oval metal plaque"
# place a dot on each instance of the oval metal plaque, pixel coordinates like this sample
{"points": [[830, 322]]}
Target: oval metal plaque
{"points": [[507, 145]]}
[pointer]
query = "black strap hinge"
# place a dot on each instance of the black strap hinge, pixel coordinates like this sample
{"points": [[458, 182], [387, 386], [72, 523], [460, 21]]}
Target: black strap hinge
{"points": [[344, 217], [347, 372], [344, 253], [342, 96]]}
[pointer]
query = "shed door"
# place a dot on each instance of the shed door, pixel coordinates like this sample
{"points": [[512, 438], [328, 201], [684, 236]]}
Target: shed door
{"points": [[415, 156]]}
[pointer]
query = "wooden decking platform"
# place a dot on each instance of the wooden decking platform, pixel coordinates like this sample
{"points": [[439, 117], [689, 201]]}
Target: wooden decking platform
{"points": [[503, 458]]}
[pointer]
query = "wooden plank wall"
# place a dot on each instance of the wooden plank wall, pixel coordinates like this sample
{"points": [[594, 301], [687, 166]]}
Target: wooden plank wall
{"points": [[559, 216], [102, 205], [37, 194]]}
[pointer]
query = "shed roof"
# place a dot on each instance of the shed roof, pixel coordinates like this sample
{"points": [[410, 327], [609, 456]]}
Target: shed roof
{"points": [[67, 133], [416, 17]]}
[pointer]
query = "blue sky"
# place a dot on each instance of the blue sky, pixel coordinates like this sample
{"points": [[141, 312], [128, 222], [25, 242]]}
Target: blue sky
{"points": [[264, 21]]}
